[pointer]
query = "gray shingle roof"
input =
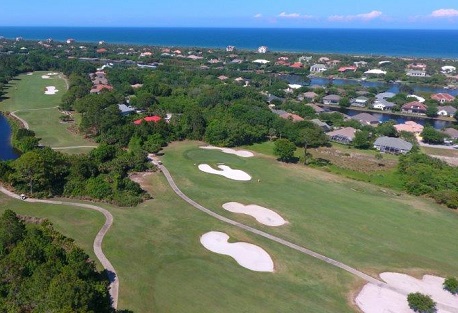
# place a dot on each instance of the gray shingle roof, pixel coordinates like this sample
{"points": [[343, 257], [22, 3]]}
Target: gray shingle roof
{"points": [[392, 142]]}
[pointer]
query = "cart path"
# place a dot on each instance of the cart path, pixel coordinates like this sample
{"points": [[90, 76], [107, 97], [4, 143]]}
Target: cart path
{"points": [[72, 147], [111, 272], [286, 243]]}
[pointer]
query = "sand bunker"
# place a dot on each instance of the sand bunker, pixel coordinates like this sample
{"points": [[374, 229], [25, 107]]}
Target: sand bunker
{"points": [[51, 90], [29, 74], [374, 299], [246, 254], [240, 153], [225, 171], [52, 74], [45, 77], [262, 215]]}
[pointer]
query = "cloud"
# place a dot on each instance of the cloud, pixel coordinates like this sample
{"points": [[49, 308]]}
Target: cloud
{"points": [[293, 15], [445, 13], [361, 17], [259, 15]]}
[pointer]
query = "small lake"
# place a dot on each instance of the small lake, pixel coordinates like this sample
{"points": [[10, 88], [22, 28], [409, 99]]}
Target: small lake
{"points": [[6, 150]]}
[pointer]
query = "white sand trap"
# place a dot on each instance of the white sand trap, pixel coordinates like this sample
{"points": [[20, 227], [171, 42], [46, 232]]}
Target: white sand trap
{"points": [[29, 74], [52, 74], [45, 77], [240, 153], [246, 254], [51, 90], [374, 299], [262, 215], [225, 171]]}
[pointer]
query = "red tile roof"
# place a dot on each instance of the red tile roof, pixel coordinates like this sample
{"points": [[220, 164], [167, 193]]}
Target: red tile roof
{"points": [[443, 97], [148, 119], [414, 105]]}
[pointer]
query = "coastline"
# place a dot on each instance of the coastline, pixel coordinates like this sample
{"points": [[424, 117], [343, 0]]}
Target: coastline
{"points": [[279, 40]]}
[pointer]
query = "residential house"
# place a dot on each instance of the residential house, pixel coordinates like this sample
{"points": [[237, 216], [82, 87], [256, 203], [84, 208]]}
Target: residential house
{"points": [[410, 127], [309, 95], [415, 73], [126, 110], [360, 64], [323, 59], [333, 63], [288, 116], [443, 97], [366, 119], [317, 108], [261, 61], [324, 126], [262, 49], [230, 48], [381, 103], [447, 110], [331, 99], [318, 68], [297, 65], [148, 119], [271, 98], [392, 145], [98, 88], [417, 66], [451, 132], [344, 69], [414, 107], [222, 77], [448, 69], [360, 101], [343, 135]]}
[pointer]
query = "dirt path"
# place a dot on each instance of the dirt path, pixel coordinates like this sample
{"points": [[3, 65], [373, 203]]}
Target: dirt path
{"points": [[111, 272], [72, 147]]}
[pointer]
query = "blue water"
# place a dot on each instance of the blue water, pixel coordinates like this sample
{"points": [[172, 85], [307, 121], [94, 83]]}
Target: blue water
{"points": [[414, 43], [6, 151]]}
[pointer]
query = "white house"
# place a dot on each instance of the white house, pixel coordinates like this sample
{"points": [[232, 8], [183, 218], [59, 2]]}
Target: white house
{"points": [[261, 61], [448, 69], [416, 73], [262, 49], [447, 110], [318, 68]]}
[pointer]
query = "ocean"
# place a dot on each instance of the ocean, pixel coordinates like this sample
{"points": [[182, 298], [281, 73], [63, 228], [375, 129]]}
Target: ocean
{"points": [[386, 42]]}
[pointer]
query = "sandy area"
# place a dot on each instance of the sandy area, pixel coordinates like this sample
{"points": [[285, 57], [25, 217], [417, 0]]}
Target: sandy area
{"points": [[225, 171], [45, 77], [261, 214], [29, 74], [52, 74], [240, 153], [374, 299], [51, 90], [246, 254]]}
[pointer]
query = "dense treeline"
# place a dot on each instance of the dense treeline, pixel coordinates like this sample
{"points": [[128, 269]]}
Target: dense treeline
{"points": [[101, 175], [424, 175], [43, 271]]}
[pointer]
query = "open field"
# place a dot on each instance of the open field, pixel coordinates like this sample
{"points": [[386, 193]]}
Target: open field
{"points": [[26, 96]]}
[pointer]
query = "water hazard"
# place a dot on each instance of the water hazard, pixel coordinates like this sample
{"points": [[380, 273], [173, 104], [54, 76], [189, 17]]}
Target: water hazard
{"points": [[6, 150]]}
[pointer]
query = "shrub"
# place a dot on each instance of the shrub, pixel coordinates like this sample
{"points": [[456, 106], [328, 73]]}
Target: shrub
{"points": [[451, 285], [421, 303]]}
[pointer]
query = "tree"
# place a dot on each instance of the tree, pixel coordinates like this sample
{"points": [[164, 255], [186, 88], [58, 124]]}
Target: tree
{"points": [[421, 303], [430, 135], [362, 140], [344, 102], [431, 111], [29, 171], [284, 149], [451, 285]]}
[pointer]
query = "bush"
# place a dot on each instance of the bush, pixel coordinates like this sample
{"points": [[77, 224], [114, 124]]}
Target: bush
{"points": [[421, 303], [451, 285]]}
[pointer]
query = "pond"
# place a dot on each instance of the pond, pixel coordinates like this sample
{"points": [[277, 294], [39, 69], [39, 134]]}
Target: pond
{"points": [[6, 150]]}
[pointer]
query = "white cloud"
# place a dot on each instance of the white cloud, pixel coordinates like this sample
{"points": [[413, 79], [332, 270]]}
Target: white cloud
{"points": [[258, 15], [361, 17], [293, 15], [445, 13]]}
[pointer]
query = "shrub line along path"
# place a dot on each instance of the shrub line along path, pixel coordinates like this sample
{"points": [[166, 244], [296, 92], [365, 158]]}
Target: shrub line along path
{"points": [[111, 272], [286, 243]]}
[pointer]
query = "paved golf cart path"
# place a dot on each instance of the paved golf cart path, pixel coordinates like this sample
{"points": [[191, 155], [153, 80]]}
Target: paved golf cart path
{"points": [[113, 277]]}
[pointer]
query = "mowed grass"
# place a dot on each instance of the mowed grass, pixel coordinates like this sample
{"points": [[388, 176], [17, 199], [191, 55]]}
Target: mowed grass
{"points": [[26, 95], [365, 226], [163, 267]]}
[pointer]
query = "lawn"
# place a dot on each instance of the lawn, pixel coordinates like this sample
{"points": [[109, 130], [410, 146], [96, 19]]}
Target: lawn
{"points": [[26, 95], [367, 227]]}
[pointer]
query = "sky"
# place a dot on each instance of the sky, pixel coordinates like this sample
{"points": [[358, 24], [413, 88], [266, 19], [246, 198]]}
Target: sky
{"points": [[424, 14]]}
